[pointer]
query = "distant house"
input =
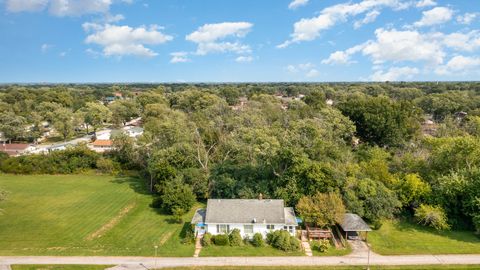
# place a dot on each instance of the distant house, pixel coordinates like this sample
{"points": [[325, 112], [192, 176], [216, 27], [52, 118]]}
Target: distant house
{"points": [[102, 145], [249, 216], [16, 149]]}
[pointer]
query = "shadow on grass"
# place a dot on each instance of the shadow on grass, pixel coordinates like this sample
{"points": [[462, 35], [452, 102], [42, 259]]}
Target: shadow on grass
{"points": [[137, 184]]}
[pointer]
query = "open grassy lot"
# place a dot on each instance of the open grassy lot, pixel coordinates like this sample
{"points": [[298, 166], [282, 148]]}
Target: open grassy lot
{"points": [[60, 267], [84, 215], [246, 250], [415, 267], [402, 237]]}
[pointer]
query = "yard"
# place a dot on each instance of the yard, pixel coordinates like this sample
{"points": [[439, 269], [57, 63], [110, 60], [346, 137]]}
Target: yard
{"points": [[402, 237], [84, 215], [246, 250]]}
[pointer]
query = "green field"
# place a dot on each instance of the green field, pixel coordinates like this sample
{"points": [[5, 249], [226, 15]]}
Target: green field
{"points": [[401, 237], [246, 250], [84, 215]]}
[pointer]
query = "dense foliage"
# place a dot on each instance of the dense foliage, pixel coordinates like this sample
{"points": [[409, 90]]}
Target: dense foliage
{"points": [[385, 149]]}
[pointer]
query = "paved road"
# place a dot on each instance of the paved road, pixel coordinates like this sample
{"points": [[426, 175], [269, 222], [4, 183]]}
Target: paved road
{"points": [[149, 262]]}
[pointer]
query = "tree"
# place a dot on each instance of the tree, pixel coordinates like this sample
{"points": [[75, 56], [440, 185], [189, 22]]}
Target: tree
{"points": [[123, 111], [96, 115], [12, 126], [381, 121], [322, 209], [63, 122], [177, 197], [413, 190], [432, 216]]}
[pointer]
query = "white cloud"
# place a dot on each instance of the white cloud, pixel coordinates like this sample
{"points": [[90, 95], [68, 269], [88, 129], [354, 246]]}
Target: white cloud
{"points": [[244, 59], [125, 40], [45, 47], [462, 41], [62, 54], [393, 45], [369, 18], [297, 3], [179, 57], [394, 74], [435, 16], [342, 57], [459, 64], [312, 73], [114, 18], [60, 7], [209, 37], [310, 28], [25, 5], [467, 18], [425, 3]]}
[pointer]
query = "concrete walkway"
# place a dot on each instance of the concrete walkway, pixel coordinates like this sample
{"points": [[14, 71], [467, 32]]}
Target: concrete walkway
{"points": [[149, 262], [198, 246], [306, 244], [5, 267]]}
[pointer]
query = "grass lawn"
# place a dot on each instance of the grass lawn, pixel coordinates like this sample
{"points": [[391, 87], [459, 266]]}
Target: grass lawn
{"points": [[416, 267], [402, 237], [246, 250], [60, 267], [84, 215], [332, 251]]}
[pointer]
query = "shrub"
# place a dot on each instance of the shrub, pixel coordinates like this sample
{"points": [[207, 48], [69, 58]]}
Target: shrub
{"points": [[178, 214], [283, 240], [207, 239], [235, 238], [221, 240], [257, 240], [433, 216], [105, 165], [322, 245]]}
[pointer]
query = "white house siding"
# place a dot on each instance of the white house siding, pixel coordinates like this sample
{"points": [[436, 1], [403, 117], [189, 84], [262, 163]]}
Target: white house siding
{"points": [[257, 228]]}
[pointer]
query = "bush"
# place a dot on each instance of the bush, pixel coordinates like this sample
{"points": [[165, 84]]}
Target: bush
{"points": [[105, 165], [257, 240], [207, 239], [433, 216], [235, 238], [283, 240], [178, 214], [322, 245], [221, 240]]}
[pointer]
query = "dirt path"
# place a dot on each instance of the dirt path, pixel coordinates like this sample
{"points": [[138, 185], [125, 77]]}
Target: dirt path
{"points": [[306, 244], [198, 246], [354, 259]]}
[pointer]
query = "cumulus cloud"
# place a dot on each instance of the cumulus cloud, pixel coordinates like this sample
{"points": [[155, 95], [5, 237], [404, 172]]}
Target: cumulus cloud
{"points": [[45, 47], [425, 3], [342, 57], [394, 74], [210, 38], [297, 3], [369, 18], [468, 42], [60, 7], [244, 59], [435, 16], [467, 18], [310, 28], [124, 40], [312, 73], [179, 57], [306, 69], [459, 64]]}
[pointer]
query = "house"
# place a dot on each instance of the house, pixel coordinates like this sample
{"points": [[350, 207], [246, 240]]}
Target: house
{"points": [[102, 145], [249, 216], [16, 149]]}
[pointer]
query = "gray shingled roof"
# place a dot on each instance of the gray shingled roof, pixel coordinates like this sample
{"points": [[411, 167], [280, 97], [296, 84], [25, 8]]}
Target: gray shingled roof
{"points": [[199, 216], [354, 223], [248, 211]]}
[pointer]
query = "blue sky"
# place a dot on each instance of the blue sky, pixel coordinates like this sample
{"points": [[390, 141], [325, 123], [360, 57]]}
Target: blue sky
{"points": [[238, 40]]}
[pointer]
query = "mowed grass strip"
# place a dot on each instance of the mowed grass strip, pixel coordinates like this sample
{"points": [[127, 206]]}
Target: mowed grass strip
{"points": [[60, 267], [401, 237], [55, 214]]}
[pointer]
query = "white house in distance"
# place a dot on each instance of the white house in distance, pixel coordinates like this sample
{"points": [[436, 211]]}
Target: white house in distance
{"points": [[249, 216]]}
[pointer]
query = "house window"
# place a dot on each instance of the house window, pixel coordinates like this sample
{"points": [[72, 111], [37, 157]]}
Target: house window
{"points": [[270, 227], [290, 229], [248, 229], [223, 228]]}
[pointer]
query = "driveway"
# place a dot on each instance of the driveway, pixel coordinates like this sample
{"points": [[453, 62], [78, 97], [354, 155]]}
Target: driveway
{"points": [[149, 262]]}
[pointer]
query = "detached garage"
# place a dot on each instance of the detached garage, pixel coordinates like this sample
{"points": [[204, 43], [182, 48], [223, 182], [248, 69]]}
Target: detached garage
{"points": [[353, 225]]}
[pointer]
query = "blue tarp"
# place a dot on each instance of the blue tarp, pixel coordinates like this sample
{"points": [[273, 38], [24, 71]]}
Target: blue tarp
{"points": [[299, 220], [200, 224]]}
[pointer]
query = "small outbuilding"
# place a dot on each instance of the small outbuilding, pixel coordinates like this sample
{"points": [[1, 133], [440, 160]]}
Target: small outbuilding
{"points": [[352, 225]]}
